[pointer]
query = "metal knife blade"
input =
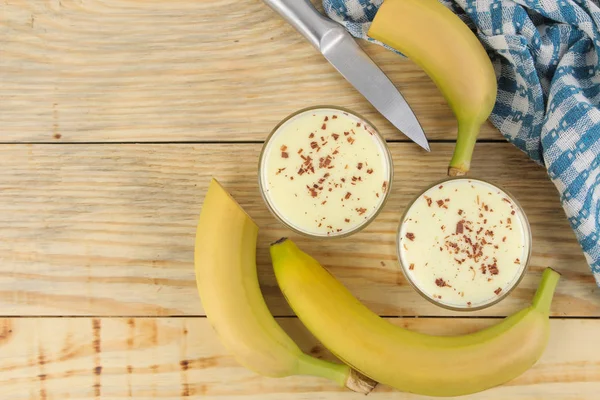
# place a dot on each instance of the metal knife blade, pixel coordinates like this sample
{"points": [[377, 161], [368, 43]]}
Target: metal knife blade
{"points": [[346, 56]]}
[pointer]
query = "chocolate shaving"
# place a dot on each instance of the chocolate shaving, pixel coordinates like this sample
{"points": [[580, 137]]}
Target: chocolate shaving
{"points": [[429, 201], [441, 283], [411, 236]]}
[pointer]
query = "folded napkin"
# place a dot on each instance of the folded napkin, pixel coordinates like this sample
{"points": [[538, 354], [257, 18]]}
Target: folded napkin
{"points": [[545, 53]]}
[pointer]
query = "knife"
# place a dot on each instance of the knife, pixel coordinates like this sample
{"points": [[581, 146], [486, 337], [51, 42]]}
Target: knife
{"points": [[342, 51]]}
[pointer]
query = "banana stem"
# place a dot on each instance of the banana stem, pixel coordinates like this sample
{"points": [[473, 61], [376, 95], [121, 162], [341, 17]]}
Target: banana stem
{"points": [[463, 151], [308, 365], [545, 291]]}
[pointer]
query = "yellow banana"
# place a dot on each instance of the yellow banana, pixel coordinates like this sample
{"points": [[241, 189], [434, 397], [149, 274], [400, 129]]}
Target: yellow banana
{"points": [[406, 360], [226, 276], [440, 43]]}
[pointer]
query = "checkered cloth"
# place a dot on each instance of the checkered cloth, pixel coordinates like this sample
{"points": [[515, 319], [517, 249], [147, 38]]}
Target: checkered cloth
{"points": [[545, 53]]}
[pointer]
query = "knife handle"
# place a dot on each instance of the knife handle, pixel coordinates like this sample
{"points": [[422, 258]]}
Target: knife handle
{"points": [[303, 16]]}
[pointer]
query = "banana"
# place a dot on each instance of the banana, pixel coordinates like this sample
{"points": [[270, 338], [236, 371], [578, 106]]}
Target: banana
{"points": [[440, 43], [226, 276], [406, 360]]}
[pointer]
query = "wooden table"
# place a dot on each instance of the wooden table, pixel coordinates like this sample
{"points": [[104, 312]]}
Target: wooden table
{"points": [[114, 115]]}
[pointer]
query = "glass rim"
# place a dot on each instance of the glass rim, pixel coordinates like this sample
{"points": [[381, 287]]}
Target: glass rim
{"points": [[528, 239], [386, 152]]}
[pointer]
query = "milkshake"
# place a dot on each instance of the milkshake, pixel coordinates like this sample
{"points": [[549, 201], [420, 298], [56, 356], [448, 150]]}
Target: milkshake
{"points": [[464, 243], [325, 172]]}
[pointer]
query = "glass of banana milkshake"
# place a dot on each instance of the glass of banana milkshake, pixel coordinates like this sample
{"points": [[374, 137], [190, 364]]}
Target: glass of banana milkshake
{"points": [[464, 243], [325, 172]]}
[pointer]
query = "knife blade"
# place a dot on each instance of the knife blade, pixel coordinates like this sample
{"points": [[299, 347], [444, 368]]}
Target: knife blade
{"points": [[341, 50]]}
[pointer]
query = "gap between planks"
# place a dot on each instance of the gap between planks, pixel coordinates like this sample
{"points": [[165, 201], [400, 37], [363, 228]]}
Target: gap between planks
{"points": [[415, 317], [216, 142]]}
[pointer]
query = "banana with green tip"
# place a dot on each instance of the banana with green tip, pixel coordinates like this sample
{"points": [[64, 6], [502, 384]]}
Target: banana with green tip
{"points": [[406, 360], [440, 43], [226, 276]]}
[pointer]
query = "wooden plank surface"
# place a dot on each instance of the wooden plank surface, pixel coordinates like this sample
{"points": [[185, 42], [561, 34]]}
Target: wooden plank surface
{"points": [[175, 358], [103, 230], [106, 230], [177, 70]]}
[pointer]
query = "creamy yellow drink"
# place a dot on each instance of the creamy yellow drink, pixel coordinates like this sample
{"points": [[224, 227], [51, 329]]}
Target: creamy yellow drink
{"points": [[464, 243], [325, 172]]}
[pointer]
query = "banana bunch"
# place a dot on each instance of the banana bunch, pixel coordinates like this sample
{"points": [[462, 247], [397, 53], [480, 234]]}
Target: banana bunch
{"points": [[406, 360], [226, 276], [440, 43]]}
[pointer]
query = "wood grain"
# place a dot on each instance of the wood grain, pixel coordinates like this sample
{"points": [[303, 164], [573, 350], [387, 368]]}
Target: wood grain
{"points": [[103, 230], [175, 358], [178, 70], [106, 229]]}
